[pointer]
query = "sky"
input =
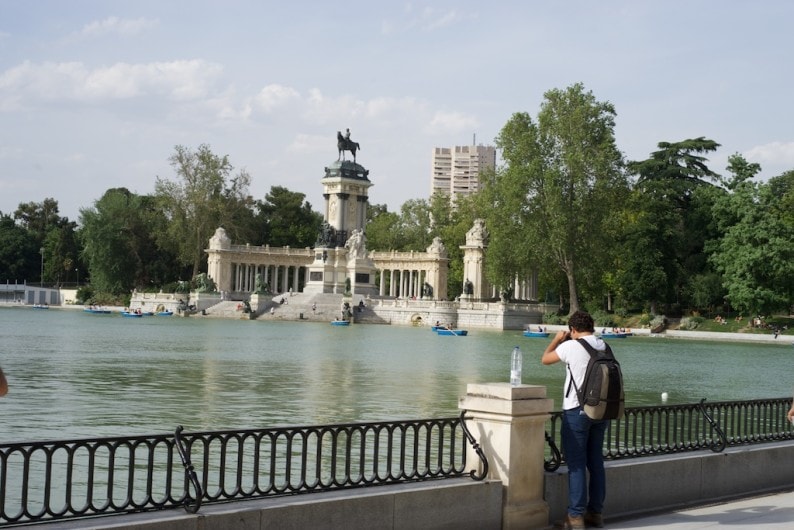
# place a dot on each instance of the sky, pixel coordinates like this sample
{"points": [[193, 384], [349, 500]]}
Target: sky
{"points": [[97, 94]]}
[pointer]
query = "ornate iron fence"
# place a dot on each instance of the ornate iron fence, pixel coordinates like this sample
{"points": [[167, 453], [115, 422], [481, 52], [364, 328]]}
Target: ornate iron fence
{"points": [[667, 429], [68, 479], [52, 480]]}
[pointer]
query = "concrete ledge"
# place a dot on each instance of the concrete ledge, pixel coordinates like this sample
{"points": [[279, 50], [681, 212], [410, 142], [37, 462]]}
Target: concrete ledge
{"points": [[449, 503], [647, 485]]}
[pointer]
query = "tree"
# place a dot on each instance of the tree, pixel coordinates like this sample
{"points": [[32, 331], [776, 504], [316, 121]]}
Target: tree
{"points": [[563, 181], [203, 198], [39, 217], [450, 224], [755, 256], [383, 229], [286, 219], [19, 252], [663, 248], [58, 245], [416, 224], [119, 245]]}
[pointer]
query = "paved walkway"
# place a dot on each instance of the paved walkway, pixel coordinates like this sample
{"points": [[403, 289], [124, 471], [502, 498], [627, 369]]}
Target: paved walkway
{"points": [[768, 512]]}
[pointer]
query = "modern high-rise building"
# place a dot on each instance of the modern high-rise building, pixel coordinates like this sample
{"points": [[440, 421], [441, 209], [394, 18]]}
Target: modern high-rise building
{"points": [[457, 170]]}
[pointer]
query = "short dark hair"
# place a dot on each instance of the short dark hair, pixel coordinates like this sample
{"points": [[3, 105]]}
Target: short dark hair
{"points": [[581, 321]]}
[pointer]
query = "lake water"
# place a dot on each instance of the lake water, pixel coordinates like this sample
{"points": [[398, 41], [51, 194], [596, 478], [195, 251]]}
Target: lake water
{"points": [[74, 374]]}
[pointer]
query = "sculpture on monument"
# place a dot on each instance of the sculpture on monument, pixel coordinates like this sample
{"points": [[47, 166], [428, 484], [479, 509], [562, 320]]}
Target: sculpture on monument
{"points": [[327, 235], [344, 143], [477, 235], [204, 284], [427, 290], [259, 285], [468, 287], [437, 247], [356, 244]]}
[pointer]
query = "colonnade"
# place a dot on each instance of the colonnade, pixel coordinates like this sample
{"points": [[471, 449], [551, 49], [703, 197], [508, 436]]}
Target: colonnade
{"points": [[280, 278], [523, 289], [403, 283]]}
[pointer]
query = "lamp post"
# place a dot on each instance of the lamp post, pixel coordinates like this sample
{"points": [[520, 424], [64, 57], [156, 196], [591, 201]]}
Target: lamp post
{"points": [[77, 277], [41, 276]]}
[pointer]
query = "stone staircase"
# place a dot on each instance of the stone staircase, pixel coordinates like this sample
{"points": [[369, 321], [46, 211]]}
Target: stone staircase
{"points": [[322, 307]]}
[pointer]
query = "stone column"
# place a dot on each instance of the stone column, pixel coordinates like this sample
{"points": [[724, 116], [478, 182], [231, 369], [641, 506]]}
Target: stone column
{"points": [[509, 423]]}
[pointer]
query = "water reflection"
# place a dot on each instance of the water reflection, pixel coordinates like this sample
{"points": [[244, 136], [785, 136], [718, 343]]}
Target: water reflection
{"points": [[80, 375]]}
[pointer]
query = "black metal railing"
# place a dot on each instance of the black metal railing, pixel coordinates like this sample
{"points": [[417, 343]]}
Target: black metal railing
{"points": [[667, 429], [54, 480], [68, 479]]}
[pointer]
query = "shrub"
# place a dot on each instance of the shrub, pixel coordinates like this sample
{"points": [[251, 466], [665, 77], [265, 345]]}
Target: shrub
{"points": [[658, 320], [602, 318], [689, 323], [554, 319]]}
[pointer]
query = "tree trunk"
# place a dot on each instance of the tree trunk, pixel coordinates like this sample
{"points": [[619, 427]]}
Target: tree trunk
{"points": [[573, 296]]}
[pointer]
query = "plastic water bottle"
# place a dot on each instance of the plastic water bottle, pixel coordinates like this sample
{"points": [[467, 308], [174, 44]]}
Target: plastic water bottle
{"points": [[516, 361]]}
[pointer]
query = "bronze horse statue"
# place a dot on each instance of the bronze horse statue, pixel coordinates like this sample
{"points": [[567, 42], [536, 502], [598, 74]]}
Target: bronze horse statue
{"points": [[345, 144]]}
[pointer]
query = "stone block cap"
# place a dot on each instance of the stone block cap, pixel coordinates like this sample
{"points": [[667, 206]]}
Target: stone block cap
{"points": [[506, 391]]}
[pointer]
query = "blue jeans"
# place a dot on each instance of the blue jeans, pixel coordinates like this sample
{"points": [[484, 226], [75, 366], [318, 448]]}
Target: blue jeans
{"points": [[582, 442]]}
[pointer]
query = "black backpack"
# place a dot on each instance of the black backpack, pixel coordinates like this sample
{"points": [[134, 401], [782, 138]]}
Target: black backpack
{"points": [[601, 395]]}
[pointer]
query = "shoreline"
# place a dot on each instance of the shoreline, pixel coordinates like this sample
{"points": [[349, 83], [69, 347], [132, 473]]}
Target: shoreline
{"points": [[719, 336]]}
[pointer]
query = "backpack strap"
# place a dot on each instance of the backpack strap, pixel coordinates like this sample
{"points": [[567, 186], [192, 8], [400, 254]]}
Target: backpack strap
{"points": [[593, 353]]}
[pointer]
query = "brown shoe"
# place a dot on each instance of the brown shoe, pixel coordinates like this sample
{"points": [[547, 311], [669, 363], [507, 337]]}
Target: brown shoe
{"points": [[571, 523], [594, 519]]}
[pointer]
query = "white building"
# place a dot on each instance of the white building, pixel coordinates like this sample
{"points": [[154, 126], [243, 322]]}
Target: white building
{"points": [[457, 170]]}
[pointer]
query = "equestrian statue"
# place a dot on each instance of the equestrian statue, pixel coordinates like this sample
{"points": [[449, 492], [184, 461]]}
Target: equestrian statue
{"points": [[344, 143]]}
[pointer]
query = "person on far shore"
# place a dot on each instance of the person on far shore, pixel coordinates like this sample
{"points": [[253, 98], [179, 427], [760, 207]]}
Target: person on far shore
{"points": [[3, 384]]}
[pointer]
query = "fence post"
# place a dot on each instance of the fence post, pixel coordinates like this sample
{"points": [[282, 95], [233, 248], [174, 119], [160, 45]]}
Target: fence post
{"points": [[509, 424]]}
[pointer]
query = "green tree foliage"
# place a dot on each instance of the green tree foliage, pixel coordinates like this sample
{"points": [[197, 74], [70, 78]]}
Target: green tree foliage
{"points": [[54, 234], [755, 256], [663, 246], [38, 218], [286, 219], [119, 246], [450, 224], [19, 252], [553, 202], [205, 196], [383, 229], [416, 224]]}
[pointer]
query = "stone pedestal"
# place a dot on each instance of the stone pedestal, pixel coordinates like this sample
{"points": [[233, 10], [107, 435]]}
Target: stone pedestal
{"points": [[509, 424], [328, 271], [361, 272]]}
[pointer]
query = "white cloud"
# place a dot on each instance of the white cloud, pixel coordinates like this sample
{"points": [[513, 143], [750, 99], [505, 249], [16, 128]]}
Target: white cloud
{"points": [[432, 19], [177, 80], [275, 96], [118, 26], [308, 143], [428, 20], [451, 122], [772, 154]]}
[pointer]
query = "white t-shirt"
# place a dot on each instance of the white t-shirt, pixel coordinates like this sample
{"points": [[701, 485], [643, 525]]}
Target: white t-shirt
{"points": [[574, 355]]}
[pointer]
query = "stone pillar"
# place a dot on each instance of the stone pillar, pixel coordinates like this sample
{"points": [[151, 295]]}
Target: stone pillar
{"points": [[509, 424]]}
